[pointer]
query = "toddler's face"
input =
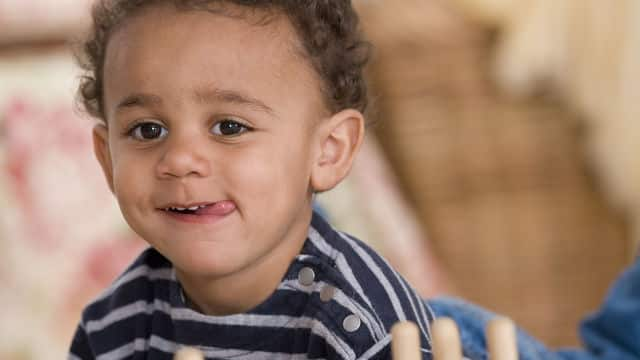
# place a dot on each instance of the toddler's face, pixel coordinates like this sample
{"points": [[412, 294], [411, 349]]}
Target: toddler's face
{"points": [[218, 115]]}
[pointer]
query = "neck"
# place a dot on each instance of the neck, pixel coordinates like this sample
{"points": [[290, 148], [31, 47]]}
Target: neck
{"points": [[245, 289], [226, 296]]}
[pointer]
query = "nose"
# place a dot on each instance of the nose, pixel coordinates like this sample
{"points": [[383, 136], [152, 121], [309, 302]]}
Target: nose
{"points": [[183, 158]]}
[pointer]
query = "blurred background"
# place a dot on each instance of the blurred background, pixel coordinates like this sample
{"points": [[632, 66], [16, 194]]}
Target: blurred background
{"points": [[503, 164]]}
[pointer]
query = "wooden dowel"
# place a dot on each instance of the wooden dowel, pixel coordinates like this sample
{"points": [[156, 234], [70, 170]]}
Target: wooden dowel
{"points": [[405, 341], [446, 340], [188, 353], [501, 339]]}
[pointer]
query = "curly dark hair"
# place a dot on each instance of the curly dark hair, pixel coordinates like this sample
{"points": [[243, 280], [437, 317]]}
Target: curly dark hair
{"points": [[328, 30]]}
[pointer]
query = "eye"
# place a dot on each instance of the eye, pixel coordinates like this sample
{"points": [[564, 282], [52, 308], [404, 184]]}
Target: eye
{"points": [[229, 128], [148, 131]]}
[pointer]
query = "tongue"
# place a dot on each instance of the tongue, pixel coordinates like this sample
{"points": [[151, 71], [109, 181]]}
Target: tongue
{"points": [[220, 208]]}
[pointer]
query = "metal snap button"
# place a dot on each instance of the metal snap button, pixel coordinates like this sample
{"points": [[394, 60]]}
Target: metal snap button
{"points": [[306, 276], [351, 323], [327, 293]]}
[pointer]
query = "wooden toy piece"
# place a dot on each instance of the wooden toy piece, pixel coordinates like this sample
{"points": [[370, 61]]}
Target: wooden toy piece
{"points": [[446, 340], [405, 341], [188, 353], [501, 339]]}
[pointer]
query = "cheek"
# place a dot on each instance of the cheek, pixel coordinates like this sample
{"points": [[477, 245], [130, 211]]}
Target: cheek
{"points": [[130, 176], [280, 169]]}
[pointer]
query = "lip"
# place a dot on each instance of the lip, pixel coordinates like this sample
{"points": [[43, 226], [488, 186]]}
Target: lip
{"points": [[185, 206], [217, 211]]}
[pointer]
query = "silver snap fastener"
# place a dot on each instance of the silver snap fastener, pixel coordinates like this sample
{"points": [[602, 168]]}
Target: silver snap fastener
{"points": [[351, 323], [306, 276], [327, 293]]}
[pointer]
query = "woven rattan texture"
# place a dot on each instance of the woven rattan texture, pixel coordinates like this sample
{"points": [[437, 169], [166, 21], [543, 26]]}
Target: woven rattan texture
{"points": [[501, 185]]}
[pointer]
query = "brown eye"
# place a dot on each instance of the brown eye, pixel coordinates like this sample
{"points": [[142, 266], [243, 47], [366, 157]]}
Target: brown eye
{"points": [[228, 128], [148, 131]]}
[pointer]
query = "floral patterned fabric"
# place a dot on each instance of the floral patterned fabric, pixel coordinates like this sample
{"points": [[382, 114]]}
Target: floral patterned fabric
{"points": [[61, 233]]}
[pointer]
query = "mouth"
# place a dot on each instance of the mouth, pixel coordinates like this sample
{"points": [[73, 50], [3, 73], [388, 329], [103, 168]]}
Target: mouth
{"points": [[199, 211], [187, 210]]}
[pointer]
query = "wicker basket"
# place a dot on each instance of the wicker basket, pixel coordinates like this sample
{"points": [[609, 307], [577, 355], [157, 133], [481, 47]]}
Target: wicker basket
{"points": [[500, 184]]}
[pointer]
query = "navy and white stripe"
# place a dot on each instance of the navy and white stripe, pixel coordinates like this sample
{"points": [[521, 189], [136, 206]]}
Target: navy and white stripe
{"points": [[143, 316]]}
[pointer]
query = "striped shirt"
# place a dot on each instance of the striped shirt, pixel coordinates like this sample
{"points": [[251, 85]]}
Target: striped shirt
{"points": [[338, 300]]}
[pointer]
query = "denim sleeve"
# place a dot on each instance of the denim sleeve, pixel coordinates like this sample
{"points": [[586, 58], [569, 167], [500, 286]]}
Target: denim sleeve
{"points": [[472, 321], [612, 333]]}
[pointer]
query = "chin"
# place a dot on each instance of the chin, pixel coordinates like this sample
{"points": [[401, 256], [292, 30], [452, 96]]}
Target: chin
{"points": [[204, 265]]}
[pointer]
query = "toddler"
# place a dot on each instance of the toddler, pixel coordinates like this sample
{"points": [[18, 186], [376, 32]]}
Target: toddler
{"points": [[218, 122]]}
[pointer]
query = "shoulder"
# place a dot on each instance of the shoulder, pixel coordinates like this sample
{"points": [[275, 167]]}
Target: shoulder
{"points": [[140, 283], [117, 322], [371, 293]]}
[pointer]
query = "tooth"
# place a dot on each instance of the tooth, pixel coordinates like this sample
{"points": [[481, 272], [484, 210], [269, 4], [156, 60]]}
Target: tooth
{"points": [[181, 209], [194, 208]]}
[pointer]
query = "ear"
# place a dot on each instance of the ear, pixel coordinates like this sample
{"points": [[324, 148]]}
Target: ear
{"points": [[340, 138], [102, 152]]}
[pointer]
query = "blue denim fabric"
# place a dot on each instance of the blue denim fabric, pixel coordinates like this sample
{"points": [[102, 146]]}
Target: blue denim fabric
{"points": [[612, 333]]}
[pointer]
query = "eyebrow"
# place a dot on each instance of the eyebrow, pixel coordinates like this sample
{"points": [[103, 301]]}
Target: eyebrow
{"points": [[138, 100], [204, 95], [213, 95]]}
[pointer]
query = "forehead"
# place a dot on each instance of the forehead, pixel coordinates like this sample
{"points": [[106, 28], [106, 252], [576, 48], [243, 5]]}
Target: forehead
{"points": [[163, 49]]}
